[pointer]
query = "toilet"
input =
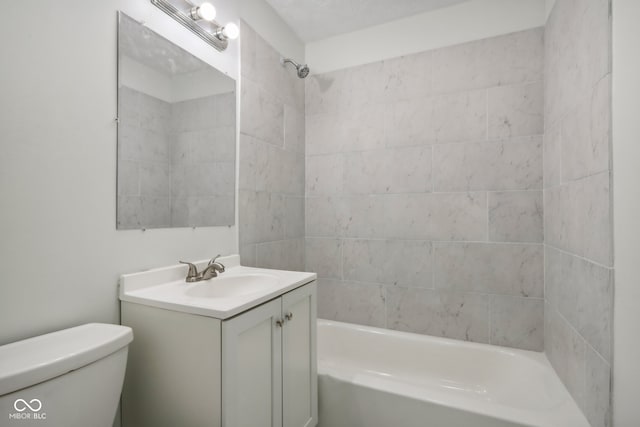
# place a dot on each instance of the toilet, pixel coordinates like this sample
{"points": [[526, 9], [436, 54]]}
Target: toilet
{"points": [[68, 378]]}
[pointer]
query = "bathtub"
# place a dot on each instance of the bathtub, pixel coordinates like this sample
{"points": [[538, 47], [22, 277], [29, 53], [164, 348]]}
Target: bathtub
{"points": [[370, 377]]}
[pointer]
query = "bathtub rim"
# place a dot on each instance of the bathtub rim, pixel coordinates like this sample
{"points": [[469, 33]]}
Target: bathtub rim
{"points": [[566, 413], [538, 356]]}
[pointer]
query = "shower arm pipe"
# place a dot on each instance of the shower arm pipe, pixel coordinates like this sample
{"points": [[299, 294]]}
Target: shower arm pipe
{"points": [[290, 61]]}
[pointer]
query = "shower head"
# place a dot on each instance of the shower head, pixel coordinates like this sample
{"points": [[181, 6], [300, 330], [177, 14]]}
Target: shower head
{"points": [[302, 69]]}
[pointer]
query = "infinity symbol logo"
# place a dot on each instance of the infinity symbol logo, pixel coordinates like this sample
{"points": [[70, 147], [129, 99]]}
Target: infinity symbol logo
{"points": [[21, 405]]}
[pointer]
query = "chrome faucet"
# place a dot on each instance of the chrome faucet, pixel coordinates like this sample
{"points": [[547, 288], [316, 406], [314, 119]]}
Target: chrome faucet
{"points": [[192, 275], [211, 270]]}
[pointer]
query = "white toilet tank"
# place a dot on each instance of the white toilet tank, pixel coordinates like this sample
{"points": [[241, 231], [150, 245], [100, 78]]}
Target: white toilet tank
{"points": [[69, 378]]}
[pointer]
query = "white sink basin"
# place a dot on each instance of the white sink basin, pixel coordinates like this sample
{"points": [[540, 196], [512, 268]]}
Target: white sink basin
{"points": [[232, 286], [236, 290]]}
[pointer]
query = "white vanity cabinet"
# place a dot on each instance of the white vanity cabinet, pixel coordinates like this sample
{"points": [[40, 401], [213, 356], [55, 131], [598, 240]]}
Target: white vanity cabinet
{"points": [[269, 363], [255, 369]]}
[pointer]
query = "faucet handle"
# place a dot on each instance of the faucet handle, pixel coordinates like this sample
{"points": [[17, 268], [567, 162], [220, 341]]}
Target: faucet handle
{"points": [[221, 265], [192, 275]]}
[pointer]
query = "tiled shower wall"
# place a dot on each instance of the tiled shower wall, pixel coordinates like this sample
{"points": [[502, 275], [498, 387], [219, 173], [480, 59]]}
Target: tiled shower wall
{"points": [[176, 163], [577, 202], [271, 177], [203, 161], [424, 204], [144, 163]]}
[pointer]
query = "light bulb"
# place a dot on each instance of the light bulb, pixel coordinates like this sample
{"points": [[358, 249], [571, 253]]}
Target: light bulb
{"points": [[231, 31], [205, 11]]}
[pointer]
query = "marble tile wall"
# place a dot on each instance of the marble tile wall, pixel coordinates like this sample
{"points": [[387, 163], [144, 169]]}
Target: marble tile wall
{"points": [[144, 161], [176, 165], [577, 202], [417, 189], [424, 202], [271, 177], [203, 161]]}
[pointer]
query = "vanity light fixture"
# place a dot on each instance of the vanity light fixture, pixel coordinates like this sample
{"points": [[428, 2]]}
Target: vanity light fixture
{"points": [[205, 11], [228, 32], [200, 21]]}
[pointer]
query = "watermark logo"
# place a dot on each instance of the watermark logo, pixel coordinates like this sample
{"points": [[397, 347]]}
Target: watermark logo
{"points": [[21, 405], [28, 410]]}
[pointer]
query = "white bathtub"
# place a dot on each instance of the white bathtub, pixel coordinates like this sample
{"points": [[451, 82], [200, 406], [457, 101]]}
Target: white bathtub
{"points": [[370, 377]]}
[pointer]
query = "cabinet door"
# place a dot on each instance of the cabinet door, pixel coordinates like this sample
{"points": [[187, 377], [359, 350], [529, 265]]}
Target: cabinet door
{"points": [[252, 368], [299, 373]]}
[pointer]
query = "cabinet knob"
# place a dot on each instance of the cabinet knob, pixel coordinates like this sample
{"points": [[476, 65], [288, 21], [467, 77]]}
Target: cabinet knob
{"points": [[288, 316], [279, 323]]}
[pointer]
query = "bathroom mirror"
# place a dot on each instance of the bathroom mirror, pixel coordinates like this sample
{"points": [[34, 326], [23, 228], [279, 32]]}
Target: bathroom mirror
{"points": [[176, 135]]}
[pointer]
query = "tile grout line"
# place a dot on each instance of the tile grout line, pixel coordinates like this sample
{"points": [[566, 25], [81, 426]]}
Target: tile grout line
{"points": [[341, 243], [433, 179], [580, 257], [385, 289], [433, 265], [518, 139], [488, 218], [415, 193], [486, 110], [575, 331], [442, 290], [490, 320], [452, 242]]}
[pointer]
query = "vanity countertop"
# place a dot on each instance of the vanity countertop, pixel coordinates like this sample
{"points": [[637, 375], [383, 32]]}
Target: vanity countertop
{"points": [[236, 290]]}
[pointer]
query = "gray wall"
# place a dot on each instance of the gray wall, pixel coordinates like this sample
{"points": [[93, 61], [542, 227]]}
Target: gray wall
{"points": [[271, 176], [424, 191], [61, 254], [577, 202]]}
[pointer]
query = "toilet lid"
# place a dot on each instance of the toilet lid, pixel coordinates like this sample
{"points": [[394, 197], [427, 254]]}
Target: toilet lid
{"points": [[34, 360]]}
